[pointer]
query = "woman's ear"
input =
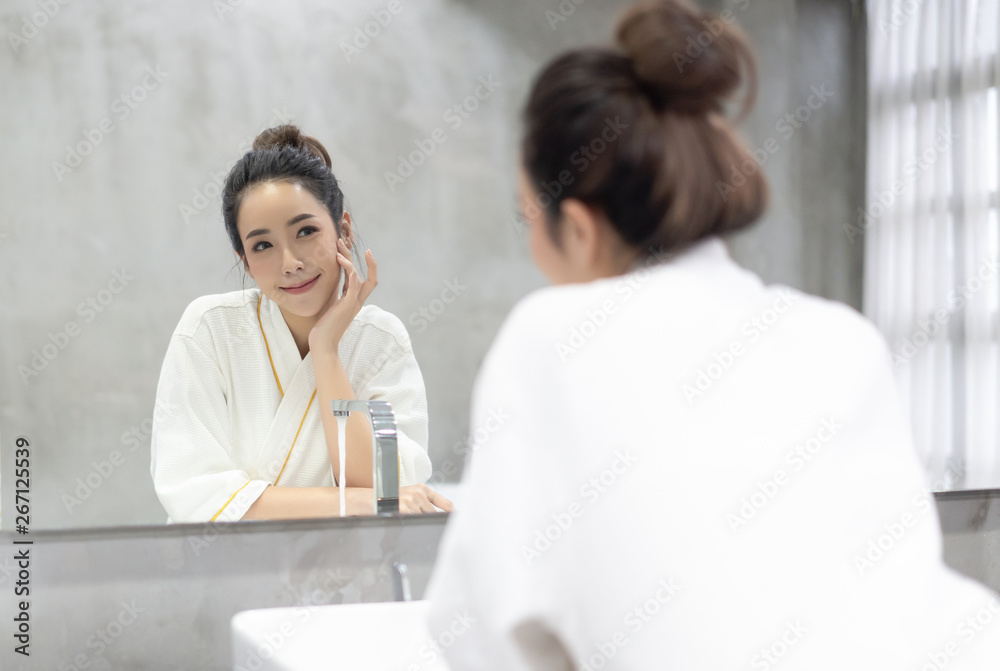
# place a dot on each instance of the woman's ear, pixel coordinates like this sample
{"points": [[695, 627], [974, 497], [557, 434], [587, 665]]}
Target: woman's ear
{"points": [[581, 235], [347, 230], [246, 266]]}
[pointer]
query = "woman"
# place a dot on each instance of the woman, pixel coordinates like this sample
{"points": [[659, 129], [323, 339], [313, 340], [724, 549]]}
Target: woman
{"points": [[710, 473], [244, 428]]}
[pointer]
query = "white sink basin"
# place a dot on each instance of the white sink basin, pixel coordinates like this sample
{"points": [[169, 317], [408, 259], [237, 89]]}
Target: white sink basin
{"points": [[352, 637]]}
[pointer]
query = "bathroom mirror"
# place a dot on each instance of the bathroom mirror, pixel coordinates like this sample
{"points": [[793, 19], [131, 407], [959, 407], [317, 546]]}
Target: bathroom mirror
{"points": [[122, 119], [126, 119]]}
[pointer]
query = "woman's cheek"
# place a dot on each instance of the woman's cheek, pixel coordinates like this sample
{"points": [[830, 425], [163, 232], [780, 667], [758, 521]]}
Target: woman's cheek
{"points": [[326, 251]]}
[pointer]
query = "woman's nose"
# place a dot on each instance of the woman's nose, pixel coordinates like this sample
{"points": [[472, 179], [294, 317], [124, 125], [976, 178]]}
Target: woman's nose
{"points": [[290, 262]]}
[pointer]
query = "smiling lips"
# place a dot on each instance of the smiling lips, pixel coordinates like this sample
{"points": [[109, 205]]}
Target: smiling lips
{"points": [[301, 288]]}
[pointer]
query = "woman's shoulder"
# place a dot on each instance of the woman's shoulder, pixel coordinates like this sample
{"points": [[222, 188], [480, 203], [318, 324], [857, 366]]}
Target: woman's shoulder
{"points": [[829, 319], [377, 323], [675, 302], [216, 311]]}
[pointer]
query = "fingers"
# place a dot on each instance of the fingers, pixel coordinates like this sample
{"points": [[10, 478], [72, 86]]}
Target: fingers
{"points": [[414, 505], [343, 256], [439, 501], [352, 283], [416, 499], [372, 267], [426, 507], [372, 281]]}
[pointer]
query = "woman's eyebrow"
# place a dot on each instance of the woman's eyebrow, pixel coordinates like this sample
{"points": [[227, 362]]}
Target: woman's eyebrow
{"points": [[291, 222]]}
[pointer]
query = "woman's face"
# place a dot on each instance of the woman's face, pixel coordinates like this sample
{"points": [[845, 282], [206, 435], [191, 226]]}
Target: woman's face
{"points": [[547, 256], [290, 246]]}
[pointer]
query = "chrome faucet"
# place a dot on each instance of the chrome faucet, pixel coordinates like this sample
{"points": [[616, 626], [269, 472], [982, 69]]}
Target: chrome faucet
{"points": [[385, 452], [401, 582]]}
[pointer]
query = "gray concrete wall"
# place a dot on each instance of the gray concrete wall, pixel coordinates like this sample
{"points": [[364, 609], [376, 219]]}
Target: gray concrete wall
{"points": [[816, 168], [143, 203]]}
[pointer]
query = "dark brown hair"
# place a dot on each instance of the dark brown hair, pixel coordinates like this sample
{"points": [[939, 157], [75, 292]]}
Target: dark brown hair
{"points": [[639, 131], [282, 153]]}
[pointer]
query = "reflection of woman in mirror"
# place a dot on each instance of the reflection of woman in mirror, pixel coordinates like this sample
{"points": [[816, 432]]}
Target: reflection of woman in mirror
{"points": [[714, 473], [240, 434]]}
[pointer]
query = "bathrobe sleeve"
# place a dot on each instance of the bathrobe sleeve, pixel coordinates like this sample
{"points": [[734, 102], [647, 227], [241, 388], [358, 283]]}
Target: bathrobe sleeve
{"points": [[398, 380], [193, 473], [490, 588]]}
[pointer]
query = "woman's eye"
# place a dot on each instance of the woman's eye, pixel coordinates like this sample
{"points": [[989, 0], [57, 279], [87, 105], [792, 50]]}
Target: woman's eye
{"points": [[306, 230], [261, 246]]}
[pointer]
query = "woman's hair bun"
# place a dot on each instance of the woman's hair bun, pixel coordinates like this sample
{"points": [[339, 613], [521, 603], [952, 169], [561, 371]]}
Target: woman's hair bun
{"points": [[290, 136], [685, 59]]}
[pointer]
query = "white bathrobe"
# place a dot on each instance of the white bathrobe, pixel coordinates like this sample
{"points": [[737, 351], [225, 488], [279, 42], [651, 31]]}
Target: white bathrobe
{"points": [[224, 430], [681, 468]]}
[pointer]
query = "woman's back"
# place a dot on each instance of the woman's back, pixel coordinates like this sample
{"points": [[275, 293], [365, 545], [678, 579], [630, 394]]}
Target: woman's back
{"points": [[709, 472], [677, 467]]}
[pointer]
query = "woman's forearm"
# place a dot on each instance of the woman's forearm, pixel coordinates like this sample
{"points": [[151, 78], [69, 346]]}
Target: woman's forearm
{"points": [[285, 503], [332, 383]]}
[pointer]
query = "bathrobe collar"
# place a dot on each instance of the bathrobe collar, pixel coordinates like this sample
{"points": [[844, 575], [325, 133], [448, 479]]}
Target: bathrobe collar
{"points": [[706, 254], [298, 382], [284, 351]]}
